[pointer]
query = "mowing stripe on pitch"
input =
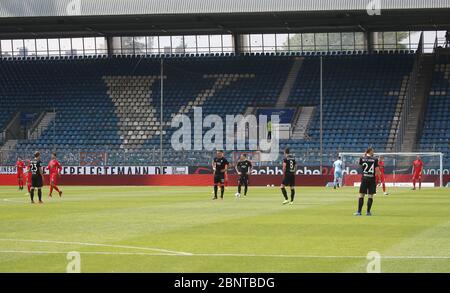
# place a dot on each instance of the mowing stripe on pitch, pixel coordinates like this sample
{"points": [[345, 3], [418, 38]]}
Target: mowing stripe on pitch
{"points": [[225, 255]]}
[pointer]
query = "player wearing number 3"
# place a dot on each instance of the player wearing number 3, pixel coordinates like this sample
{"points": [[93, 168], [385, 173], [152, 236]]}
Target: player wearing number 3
{"points": [[370, 169], [289, 170]]}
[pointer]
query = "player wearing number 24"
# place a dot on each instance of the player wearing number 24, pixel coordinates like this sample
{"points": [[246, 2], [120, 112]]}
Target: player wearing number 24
{"points": [[370, 169]]}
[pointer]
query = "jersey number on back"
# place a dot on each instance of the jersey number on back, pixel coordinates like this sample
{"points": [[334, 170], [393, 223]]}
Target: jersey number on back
{"points": [[368, 169]]}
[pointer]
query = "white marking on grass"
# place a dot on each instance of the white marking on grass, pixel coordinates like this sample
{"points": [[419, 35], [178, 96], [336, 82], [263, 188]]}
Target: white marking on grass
{"points": [[14, 201], [314, 256], [226, 255], [171, 252]]}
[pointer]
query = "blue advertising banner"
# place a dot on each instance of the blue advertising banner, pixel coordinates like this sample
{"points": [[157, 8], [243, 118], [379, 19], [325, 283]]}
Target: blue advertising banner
{"points": [[286, 115]]}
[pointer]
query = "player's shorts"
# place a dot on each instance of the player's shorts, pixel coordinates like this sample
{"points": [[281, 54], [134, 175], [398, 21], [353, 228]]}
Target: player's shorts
{"points": [[36, 181], [337, 174], [54, 179], [219, 178], [289, 180], [417, 176], [368, 186], [243, 179]]}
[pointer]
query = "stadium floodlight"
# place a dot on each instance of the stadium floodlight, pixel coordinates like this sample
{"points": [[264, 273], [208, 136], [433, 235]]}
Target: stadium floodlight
{"points": [[398, 167]]}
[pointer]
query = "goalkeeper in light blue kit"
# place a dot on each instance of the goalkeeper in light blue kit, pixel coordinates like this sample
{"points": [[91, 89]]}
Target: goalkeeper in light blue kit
{"points": [[338, 166]]}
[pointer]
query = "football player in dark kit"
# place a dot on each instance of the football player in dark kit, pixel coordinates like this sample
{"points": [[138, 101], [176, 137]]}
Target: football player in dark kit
{"points": [[37, 177], [220, 167], [289, 170], [243, 168], [370, 170]]}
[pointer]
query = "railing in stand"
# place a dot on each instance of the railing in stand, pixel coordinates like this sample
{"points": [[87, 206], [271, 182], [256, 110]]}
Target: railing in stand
{"points": [[410, 93]]}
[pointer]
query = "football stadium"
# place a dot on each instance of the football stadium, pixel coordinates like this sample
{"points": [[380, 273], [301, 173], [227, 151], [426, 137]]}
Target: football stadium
{"points": [[207, 136]]}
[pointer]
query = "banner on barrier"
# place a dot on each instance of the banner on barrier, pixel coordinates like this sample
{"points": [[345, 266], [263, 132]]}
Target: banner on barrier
{"points": [[184, 170], [311, 170], [402, 184], [110, 170], [274, 170]]}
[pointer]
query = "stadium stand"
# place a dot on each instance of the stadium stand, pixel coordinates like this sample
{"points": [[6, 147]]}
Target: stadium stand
{"points": [[112, 104], [4, 117], [109, 104], [360, 97], [436, 135]]}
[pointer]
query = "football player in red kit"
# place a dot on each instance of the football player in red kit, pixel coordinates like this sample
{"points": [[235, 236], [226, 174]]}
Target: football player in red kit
{"points": [[417, 172], [55, 170], [20, 165], [380, 178]]}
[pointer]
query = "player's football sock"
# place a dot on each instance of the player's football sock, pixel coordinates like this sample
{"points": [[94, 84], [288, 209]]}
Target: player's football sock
{"points": [[420, 184], [414, 184], [56, 188], [283, 190], [40, 195], [51, 191], [29, 188], [222, 190], [239, 189], [245, 190], [369, 204], [32, 195], [292, 195], [384, 188], [215, 191], [360, 204]]}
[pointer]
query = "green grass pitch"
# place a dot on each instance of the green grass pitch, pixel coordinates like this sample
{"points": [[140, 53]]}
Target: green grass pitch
{"points": [[174, 229]]}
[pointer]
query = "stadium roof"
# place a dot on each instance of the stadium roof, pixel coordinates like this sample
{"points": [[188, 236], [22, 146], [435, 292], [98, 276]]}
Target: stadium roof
{"points": [[35, 8], [112, 17]]}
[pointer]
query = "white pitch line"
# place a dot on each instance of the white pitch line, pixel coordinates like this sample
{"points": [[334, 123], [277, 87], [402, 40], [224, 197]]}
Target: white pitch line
{"points": [[92, 252], [14, 201], [97, 244], [223, 255], [317, 256], [26, 200]]}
